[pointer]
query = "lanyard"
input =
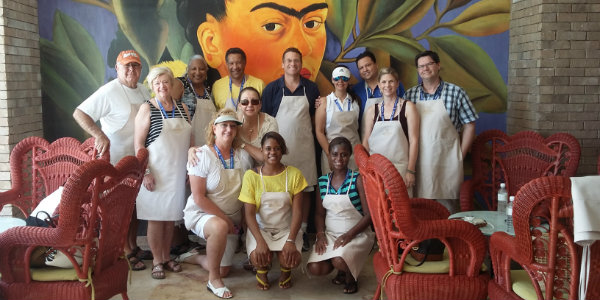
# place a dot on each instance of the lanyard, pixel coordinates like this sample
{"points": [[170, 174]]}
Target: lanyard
{"points": [[393, 110], [341, 185], [340, 107], [231, 91], [222, 159], [436, 95], [164, 111], [194, 90]]}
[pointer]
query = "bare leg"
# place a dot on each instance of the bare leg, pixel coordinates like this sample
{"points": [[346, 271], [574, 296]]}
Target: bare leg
{"points": [[351, 286], [320, 268], [215, 231]]}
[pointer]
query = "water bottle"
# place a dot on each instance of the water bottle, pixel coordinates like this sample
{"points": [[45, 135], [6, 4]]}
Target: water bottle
{"points": [[509, 212], [502, 198]]}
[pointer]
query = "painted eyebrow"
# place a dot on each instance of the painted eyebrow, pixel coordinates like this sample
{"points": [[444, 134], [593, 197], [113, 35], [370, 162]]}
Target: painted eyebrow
{"points": [[290, 11]]}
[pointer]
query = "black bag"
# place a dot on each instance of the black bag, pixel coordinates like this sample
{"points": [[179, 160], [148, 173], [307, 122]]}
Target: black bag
{"points": [[428, 250], [42, 219]]}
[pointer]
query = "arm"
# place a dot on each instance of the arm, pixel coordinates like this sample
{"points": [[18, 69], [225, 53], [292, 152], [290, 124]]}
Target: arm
{"points": [[369, 123], [262, 252], [413, 120], [198, 186], [468, 136], [321, 242], [320, 123], [255, 152], [362, 224], [87, 123], [289, 248], [142, 127]]}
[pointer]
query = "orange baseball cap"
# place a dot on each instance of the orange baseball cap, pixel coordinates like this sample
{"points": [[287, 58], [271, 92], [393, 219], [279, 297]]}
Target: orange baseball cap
{"points": [[128, 56]]}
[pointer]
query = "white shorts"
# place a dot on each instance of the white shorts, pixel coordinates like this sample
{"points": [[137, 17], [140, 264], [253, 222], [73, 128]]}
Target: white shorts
{"points": [[232, 240]]}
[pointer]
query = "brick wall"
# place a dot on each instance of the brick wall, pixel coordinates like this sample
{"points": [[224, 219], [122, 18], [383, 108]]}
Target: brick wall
{"points": [[554, 69], [20, 81]]}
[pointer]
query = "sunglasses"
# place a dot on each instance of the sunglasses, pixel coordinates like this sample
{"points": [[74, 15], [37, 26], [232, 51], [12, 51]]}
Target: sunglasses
{"points": [[344, 78], [245, 102]]}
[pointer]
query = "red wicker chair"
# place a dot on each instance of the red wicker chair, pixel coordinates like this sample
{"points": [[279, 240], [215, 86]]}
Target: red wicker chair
{"points": [[95, 209], [515, 160], [543, 245], [401, 222], [38, 168]]}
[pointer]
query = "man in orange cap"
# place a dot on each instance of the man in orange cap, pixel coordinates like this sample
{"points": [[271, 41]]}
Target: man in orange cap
{"points": [[116, 104]]}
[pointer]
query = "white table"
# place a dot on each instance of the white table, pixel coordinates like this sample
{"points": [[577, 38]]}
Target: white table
{"points": [[496, 221]]}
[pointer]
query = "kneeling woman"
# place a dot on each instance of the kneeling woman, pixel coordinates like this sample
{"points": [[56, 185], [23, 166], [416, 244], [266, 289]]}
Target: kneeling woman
{"points": [[273, 208], [342, 219], [213, 211]]}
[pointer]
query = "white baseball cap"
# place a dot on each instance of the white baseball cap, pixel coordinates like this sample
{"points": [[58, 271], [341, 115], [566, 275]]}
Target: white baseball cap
{"points": [[227, 118], [341, 71]]}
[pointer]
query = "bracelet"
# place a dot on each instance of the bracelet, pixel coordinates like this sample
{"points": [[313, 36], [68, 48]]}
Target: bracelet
{"points": [[147, 172], [411, 171], [290, 241]]}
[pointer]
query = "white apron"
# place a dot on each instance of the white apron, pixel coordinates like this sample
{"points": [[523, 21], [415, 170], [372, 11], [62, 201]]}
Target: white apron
{"points": [[295, 127], [389, 140], [274, 219], [343, 123], [121, 141], [342, 216], [202, 116], [370, 102], [440, 166], [167, 161]]}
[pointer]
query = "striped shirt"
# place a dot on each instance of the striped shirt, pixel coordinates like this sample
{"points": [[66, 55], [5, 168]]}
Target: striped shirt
{"points": [[156, 121], [457, 103], [347, 184]]}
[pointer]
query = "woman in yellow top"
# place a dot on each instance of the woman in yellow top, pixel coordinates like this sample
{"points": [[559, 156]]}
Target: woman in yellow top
{"points": [[273, 210]]}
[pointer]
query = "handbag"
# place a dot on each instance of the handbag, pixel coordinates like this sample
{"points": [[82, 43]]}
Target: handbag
{"points": [[428, 250], [45, 214]]}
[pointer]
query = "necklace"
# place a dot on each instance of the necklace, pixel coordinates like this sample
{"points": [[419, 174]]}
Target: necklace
{"points": [[251, 130]]}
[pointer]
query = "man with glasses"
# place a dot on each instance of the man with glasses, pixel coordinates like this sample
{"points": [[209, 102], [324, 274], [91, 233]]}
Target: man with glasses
{"points": [[445, 110], [226, 90], [116, 104], [367, 89]]}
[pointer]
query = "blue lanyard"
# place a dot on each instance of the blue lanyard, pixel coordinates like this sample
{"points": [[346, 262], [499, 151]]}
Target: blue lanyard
{"points": [[393, 110], [222, 159], [340, 107], [194, 90], [231, 91], [342, 185], [164, 111], [436, 95]]}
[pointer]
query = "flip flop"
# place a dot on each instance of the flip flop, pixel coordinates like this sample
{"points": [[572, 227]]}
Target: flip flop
{"points": [[286, 283], [351, 288], [340, 278], [219, 292], [263, 286]]}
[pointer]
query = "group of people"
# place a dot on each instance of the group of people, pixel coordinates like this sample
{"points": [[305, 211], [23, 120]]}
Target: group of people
{"points": [[249, 151]]}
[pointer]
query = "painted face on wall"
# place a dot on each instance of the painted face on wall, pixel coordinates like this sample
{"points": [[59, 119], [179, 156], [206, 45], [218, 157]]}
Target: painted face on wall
{"points": [[264, 29]]}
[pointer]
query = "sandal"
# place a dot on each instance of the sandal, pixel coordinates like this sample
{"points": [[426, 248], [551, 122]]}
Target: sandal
{"points": [[219, 292], [340, 278], [181, 258], [158, 271], [135, 263], [142, 254], [286, 283], [351, 288], [262, 284], [172, 266]]}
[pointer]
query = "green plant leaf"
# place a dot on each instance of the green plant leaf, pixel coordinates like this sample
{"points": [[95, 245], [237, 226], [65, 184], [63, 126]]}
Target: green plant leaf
{"points": [[392, 19], [140, 22], [187, 52], [370, 12], [400, 47], [341, 16], [483, 18], [78, 44], [467, 65], [409, 19], [118, 44], [176, 39]]}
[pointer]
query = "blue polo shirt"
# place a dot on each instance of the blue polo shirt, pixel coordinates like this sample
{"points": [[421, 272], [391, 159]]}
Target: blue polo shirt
{"points": [[275, 90], [361, 90]]}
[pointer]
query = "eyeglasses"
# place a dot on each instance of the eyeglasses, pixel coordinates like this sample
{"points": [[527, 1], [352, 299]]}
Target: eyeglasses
{"points": [[132, 66], [245, 102], [344, 78], [427, 65]]}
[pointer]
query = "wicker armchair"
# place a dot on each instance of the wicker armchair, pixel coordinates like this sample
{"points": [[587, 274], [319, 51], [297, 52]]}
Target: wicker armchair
{"points": [[95, 209], [543, 245], [38, 168], [401, 222], [515, 160]]}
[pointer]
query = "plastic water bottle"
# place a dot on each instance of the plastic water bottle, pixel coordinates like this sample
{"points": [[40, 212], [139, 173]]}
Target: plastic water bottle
{"points": [[502, 198], [509, 212]]}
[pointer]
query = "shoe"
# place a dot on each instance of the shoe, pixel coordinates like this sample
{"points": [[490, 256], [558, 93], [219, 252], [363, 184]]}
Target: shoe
{"points": [[219, 292], [135, 263], [172, 266], [305, 243], [181, 258]]}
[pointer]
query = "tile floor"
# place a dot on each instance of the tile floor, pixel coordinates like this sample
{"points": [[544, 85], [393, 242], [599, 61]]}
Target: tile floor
{"points": [[191, 284]]}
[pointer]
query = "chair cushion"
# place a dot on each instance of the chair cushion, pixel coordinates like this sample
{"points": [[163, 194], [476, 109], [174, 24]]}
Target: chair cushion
{"points": [[53, 274], [522, 286]]}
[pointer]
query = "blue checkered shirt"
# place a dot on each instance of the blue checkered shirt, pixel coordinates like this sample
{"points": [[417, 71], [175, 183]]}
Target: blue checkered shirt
{"points": [[457, 103]]}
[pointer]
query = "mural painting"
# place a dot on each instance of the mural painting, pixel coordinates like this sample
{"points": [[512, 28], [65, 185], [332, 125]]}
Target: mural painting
{"points": [[80, 40]]}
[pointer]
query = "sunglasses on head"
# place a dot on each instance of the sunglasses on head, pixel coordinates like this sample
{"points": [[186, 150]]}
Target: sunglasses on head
{"points": [[245, 102], [344, 78]]}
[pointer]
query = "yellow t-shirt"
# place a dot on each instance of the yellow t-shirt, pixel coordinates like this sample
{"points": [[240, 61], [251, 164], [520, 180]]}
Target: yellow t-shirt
{"points": [[252, 187], [220, 89]]}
